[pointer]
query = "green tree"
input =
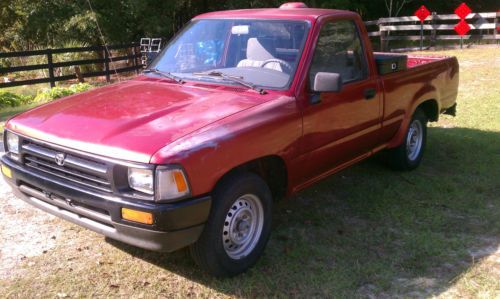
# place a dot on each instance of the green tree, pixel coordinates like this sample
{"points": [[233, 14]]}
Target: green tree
{"points": [[30, 24]]}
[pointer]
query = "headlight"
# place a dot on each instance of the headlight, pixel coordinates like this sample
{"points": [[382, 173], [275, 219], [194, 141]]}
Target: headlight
{"points": [[141, 180], [171, 184], [12, 143]]}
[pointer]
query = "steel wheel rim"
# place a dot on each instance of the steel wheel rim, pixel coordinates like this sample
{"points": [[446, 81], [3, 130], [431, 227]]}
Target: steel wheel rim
{"points": [[414, 140], [243, 226]]}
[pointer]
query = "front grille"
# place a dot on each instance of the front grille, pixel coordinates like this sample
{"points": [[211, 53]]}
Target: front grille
{"points": [[82, 171]]}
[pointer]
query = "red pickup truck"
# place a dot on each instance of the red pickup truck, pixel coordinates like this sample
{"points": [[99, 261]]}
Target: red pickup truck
{"points": [[240, 109]]}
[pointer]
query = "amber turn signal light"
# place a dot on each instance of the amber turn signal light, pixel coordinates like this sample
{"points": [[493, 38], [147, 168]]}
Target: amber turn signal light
{"points": [[137, 216], [180, 181], [6, 171]]}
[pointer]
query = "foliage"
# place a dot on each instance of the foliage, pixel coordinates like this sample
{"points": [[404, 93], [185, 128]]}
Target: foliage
{"points": [[50, 94], [75, 56], [9, 99], [14, 99], [26, 60], [394, 7], [80, 87], [26, 24]]}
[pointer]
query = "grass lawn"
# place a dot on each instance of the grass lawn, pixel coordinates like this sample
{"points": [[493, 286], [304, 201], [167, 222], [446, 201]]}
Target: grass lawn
{"points": [[7, 113], [27, 90], [365, 232]]}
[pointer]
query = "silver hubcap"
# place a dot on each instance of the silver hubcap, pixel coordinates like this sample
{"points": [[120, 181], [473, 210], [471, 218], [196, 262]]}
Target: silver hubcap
{"points": [[243, 226], [414, 140]]}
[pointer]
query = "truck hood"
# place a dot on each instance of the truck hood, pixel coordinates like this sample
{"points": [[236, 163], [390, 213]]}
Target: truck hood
{"points": [[131, 120]]}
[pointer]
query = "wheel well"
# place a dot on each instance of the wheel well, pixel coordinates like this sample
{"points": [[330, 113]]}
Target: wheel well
{"points": [[271, 169], [430, 108]]}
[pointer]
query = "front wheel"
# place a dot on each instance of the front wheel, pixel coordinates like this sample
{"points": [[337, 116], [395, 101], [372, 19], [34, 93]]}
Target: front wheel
{"points": [[238, 227], [409, 154]]}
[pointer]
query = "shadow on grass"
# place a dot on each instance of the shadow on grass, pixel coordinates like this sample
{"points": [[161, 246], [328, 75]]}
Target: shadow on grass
{"points": [[369, 231]]}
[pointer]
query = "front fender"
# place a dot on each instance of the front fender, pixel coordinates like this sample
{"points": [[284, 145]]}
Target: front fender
{"points": [[273, 128]]}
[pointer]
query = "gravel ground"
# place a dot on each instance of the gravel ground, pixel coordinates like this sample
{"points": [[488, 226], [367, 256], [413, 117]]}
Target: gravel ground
{"points": [[21, 239]]}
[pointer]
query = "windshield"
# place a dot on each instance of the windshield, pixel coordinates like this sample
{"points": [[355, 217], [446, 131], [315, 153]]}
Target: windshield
{"points": [[263, 53]]}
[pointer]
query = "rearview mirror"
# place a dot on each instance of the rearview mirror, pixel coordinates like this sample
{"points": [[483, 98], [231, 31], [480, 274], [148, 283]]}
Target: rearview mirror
{"points": [[327, 82], [240, 29]]}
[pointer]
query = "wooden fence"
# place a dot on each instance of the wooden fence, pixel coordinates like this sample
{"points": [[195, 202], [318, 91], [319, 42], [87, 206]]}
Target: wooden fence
{"points": [[436, 28], [132, 54]]}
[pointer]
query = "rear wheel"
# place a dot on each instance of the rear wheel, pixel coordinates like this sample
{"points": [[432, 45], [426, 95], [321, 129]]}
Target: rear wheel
{"points": [[238, 228], [409, 154]]}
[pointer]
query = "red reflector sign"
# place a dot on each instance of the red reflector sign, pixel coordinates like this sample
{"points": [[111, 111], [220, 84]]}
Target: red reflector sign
{"points": [[462, 11], [422, 13], [462, 28]]}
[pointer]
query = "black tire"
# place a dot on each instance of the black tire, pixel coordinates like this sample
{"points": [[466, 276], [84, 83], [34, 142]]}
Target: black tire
{"points": [[399, 158], [209, 252]]}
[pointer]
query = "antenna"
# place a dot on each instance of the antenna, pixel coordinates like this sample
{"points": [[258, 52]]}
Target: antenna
{"points": [[104, 41]]}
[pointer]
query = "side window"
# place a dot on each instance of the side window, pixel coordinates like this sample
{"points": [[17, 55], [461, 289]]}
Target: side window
{"points": [[339, 50]]}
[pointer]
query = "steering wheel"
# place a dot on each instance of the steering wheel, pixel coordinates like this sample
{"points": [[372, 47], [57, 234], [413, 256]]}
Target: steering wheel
{"points": [[281, 62]]}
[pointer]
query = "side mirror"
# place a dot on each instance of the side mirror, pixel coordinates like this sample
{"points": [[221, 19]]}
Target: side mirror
{"points": [[327, 82]]}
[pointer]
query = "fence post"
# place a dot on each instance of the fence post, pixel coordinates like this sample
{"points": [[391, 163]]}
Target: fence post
{"points": [[78, 74], [51, 68], [434, 31], [382, 38], [495, 30], [134, 53], [106, 65]]}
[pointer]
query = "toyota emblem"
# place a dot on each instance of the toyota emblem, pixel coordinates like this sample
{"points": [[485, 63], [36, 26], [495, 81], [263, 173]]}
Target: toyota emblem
{"points": [[60, 157]]}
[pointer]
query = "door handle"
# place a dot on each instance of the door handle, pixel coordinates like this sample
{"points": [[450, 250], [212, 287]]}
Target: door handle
{"points": [[370, 93]]}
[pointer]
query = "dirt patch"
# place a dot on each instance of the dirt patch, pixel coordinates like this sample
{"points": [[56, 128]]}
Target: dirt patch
{"points": [[483, 261], [25, 231]]}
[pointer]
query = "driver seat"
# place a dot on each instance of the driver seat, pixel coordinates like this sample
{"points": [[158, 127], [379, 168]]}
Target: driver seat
{"points": [[258, 51]]}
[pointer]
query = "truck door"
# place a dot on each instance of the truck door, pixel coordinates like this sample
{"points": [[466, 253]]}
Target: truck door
{"points": [[341, 126]]}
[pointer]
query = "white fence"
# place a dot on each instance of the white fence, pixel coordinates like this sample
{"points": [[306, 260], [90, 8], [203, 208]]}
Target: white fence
{"points": [[435, 28]]}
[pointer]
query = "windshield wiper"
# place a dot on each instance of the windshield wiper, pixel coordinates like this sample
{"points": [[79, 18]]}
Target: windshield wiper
{"points": [[165, 74], [236, 79]]}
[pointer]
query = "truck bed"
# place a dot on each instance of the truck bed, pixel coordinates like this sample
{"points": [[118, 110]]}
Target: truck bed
{"points": [[412, 60], [416, 60], [430, 77]]}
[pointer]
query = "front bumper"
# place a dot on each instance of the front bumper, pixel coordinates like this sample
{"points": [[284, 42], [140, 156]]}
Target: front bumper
{"points": [[176, 225]]}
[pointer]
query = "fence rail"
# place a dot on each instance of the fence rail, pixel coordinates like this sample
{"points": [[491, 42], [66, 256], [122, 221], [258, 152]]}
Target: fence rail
{"points": [[484, 26], [51, 65]]}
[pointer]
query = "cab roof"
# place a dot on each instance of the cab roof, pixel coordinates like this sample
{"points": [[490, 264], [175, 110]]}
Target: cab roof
{"points": [[310, 14]]}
